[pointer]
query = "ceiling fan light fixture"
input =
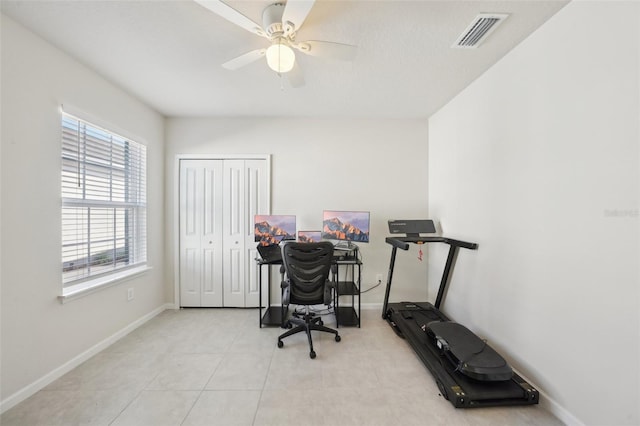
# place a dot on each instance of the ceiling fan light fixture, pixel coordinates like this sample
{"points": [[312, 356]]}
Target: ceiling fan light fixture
{"points": [[280, 57]]}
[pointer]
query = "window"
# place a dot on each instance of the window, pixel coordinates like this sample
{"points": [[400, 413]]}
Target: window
{"points": [[103, 202]]}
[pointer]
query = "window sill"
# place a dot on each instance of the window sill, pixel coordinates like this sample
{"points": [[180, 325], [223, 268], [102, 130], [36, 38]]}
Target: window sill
{"points": [[88, 287]]}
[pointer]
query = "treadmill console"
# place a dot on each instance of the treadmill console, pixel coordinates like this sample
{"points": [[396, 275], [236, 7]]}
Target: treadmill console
{"points": [[412, 228]]}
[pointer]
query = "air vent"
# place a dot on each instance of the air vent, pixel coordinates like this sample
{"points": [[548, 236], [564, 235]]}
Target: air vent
{"points": [[479, 29]]}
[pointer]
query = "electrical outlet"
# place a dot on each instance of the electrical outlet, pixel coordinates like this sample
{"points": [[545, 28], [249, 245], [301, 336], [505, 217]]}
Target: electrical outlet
{"points": [[130, 294], [378, 278]]}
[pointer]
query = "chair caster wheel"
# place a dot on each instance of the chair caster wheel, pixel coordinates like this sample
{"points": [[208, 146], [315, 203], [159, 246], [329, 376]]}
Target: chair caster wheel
{"points": [[320, 322], [338, 338], [280, 344], [312, 354], [289, 325]]}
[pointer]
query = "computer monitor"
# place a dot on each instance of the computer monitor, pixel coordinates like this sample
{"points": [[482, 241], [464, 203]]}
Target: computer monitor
{"points": [[345, 225], [271, 229], [309, 236]]}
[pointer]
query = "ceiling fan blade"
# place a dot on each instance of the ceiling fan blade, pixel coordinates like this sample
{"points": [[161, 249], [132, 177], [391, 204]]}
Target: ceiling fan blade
{"points": [[245, 59], [295, 12], [232, 15], [296, 76], [328, 49]]}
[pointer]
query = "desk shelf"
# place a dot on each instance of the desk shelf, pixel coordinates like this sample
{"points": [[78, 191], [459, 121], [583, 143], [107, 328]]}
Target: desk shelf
{"points": [[348, 316], [273, 315], [347, 286]]}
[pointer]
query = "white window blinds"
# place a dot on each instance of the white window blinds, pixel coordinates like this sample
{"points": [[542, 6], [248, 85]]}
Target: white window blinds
{"points": [[103, 201]]}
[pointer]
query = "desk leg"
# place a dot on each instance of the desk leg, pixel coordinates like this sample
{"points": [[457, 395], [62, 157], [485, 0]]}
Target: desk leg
{"points": [[269, 287], [259, 295], [359, 293]]}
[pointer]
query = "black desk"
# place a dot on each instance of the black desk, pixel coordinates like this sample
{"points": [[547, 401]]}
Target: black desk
{"points": [[345, 315]]}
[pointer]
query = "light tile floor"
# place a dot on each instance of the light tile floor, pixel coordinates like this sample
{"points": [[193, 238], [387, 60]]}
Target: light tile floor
{"points": [[217, 367]]}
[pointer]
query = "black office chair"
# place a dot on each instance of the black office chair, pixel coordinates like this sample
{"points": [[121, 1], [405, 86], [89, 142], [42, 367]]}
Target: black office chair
{"points": [[306, 282]]}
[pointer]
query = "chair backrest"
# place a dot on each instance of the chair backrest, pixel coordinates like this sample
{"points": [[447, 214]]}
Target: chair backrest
{"points": [[307, 266]]}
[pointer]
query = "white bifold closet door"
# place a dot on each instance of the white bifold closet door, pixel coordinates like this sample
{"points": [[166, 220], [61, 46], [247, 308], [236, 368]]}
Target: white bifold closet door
{"points": [[218, 202]]}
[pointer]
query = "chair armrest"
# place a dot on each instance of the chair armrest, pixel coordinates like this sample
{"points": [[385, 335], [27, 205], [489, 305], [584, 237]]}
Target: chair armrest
{"points": [[284, 284]]}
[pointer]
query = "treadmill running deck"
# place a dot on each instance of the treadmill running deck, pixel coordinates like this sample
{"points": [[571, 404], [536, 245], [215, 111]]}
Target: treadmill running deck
{"points": [[461, 390]]}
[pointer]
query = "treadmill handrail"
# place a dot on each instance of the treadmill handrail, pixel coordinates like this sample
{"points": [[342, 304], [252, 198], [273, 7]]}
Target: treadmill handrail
{"points": [[403, 242]]}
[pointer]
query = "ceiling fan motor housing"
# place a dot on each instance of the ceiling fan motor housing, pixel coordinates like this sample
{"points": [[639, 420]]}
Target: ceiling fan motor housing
{"points": [[272, 20]]}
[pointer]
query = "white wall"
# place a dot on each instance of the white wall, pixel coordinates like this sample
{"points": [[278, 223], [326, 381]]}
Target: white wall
{"points": [[537, 161], [39, 334], [374, 165]]}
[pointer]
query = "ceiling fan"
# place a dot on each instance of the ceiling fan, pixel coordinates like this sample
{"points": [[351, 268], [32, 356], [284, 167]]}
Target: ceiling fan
{"points": [[280, 24]]}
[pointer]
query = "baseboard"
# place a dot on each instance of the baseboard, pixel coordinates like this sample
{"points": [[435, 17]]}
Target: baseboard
{"points": [[371, 307], [552, 406], [50, 377], [559, 411]]}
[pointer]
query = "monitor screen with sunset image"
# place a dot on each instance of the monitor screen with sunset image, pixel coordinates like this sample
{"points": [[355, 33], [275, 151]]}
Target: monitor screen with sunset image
{"points": [[342, 225], [309, 236], [271, 229]]}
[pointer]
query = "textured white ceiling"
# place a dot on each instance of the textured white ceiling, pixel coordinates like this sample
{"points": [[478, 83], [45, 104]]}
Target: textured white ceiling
{"points": [[168, 53]]}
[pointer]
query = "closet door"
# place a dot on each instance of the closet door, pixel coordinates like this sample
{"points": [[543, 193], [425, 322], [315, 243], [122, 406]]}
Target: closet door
{"points": [[201, 266], [246, 194], [218, 201], [234, 224], [257, 196]]}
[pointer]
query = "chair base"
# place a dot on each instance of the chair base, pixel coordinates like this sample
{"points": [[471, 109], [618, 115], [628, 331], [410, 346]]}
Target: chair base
{"points": [[307, 324]]}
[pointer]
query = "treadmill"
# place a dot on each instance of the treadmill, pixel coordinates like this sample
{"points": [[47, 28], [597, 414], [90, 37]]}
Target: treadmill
{"points": [[468, 372]]}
